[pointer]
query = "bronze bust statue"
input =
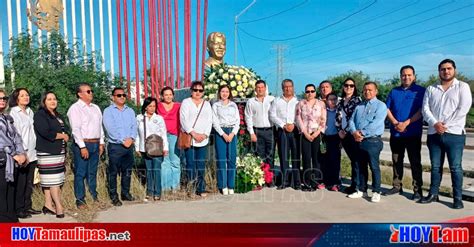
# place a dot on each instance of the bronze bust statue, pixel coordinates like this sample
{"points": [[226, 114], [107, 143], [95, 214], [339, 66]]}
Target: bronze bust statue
{"points": [[216, 49]]}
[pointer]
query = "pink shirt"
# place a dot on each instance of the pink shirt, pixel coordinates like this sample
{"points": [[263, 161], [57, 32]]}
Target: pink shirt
{"points": [[86, 122], [171, 117], [311, 118]]}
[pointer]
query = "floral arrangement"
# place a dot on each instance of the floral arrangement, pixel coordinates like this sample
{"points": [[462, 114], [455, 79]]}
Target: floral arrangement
{"points": [[267, 173], [249, 173], [240, 79]]}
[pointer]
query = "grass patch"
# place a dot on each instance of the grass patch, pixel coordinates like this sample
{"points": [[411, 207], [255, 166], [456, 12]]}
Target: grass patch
{"points": [[387, 176], [137, 189]]}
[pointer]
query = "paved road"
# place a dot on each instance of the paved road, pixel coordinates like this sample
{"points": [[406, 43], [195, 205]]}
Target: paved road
{"points": [[468, 156], [271, 205]]}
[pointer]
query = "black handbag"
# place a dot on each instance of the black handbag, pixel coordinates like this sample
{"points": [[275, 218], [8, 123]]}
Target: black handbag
{"points": [[153, 143]]}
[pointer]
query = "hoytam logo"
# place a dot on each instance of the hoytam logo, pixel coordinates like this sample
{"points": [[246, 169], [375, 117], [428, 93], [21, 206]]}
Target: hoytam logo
{"points": [[74, 234], [435, 234]]}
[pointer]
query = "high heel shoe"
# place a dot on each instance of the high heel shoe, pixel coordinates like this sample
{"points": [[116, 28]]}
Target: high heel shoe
{"points": [[48, 211], [60, 216]]}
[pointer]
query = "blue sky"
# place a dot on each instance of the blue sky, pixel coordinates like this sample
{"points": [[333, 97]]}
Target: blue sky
{"points": [[324, 38]]}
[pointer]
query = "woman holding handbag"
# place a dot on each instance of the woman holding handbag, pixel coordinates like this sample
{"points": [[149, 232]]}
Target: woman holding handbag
{"points": [[51, 151], [149, 123], [196, 120]]}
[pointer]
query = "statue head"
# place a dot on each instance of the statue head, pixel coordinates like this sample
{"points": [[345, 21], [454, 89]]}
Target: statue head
{"points": [[45, 13], [216, 45]]}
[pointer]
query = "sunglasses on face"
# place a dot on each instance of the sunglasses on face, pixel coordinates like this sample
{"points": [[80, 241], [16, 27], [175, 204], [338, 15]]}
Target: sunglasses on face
{"points": [[198, 90], [88, 91], [120, 95], [4, 98], [310, 91], [349, 85]]}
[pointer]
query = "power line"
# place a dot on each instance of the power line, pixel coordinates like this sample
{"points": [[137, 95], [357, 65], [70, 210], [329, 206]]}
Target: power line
{"points": [[313, 32], [276, 14], [403, 47], [390, 41], [370, 19], [242, 48], [390, 31]]}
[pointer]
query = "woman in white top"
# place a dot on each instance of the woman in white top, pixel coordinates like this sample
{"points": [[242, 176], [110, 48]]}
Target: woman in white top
{"points": [[198, 123], [226, 123], [23, 121], [154, 124]]}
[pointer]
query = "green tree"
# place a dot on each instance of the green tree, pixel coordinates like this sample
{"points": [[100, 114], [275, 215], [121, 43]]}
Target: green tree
{"points": [[53, 67]]}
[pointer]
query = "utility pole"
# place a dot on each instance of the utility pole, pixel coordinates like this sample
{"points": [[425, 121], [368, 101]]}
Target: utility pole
{"points": [[280, 57], [236, 22]]}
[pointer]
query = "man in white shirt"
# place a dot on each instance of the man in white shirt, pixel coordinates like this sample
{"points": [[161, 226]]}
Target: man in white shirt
{"points": [[258, 124], [445, 106], [283, 114], [85, 119]]}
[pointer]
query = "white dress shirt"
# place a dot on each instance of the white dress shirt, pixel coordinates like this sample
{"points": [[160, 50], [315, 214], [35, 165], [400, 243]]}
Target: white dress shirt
{"points": [[283, 112], [257, 114], [449, 107], [154, 125], [226, 116], [188, 114], [23, 122], [86, 122]]}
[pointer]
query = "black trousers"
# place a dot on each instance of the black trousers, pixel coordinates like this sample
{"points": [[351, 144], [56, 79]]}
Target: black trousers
{"points": [[312, 173], [332, 160], [413, 147], [7, 195], [351, 148], [265, 145], [121, 162], [24, 187], [289, 150]]}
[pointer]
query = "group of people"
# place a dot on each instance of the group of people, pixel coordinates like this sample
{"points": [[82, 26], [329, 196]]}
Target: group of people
{"points": [[310, 132], [313, 130]]}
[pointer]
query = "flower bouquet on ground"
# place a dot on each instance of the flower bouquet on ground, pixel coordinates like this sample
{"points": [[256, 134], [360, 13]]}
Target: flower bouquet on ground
{"points": [[240, 79], [267, 173], [249, 173]]}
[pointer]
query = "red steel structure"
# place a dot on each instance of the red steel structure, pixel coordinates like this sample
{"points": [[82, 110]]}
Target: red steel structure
{"points": [[164, 64]]}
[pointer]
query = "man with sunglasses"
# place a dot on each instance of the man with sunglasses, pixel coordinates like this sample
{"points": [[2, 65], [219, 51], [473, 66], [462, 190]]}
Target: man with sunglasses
{"points": [[404, 113], [85, 119], [121, 128]]}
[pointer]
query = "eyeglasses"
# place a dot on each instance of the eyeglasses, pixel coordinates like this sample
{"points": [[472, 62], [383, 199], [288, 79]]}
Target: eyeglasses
{"points": [[198, 90], [310, 91], [120, 95], [349, 85], [4, 98], [89, 91]]}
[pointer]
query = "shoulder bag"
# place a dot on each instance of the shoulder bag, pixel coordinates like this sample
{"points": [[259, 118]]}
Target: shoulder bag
{"points": [[153, 143], [184, 139]]}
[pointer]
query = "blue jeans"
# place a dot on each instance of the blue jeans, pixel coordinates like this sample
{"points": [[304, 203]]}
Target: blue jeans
{"points": [[452, 146], [369, 155], [171, 166], [226, 158], [121, 162], [85, 169], [153, 175], [196, 167]]}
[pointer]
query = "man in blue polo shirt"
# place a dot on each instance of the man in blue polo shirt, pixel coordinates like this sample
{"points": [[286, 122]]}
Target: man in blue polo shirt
{"points": [[404, 113], [367, 127], [121, 127]]}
